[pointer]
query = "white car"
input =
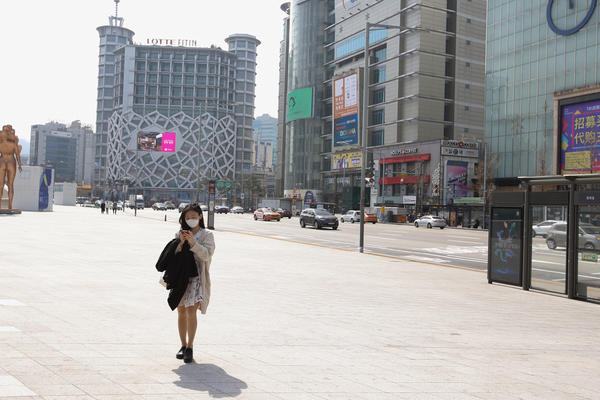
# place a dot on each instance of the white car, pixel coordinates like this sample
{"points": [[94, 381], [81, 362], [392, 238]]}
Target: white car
{"points": [[542, 228], [237, 210], [430, 221], [351, 216]]}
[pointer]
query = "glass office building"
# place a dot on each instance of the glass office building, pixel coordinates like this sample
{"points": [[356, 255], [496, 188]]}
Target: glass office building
{"points": [[536, 51]]}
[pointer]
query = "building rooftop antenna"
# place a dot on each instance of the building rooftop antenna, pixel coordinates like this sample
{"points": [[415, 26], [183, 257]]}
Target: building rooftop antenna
{"points": [[116, 21]]}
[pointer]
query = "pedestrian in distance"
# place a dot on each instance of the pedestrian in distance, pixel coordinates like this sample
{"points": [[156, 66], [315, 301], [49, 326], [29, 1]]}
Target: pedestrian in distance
{"points": [[189, 285], [102, 206], [114, 207]]}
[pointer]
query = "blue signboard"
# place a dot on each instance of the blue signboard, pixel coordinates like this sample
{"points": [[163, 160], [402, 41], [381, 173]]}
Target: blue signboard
{"points": [[346, 130]]}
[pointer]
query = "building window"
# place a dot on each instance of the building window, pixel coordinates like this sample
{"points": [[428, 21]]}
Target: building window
{"points": [[164, 91], [176, 92], [151, 90], [466, 130], [468, 20], [140, 65], [377, 117], [177, 67], [153, 66], [468, 42], [377, 138], [164, 79], [378, 96], [466, 108], [357, 42], [152, 78], [165, 67], [467, 64], [467, 86], [378, 75], [380, 54]]}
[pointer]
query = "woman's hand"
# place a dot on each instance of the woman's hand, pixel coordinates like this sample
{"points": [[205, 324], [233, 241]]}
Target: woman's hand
{"points": [[189, 237]]}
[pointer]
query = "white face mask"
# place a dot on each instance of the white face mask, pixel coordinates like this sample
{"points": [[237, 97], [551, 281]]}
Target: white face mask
{"points": [[192, 223]]}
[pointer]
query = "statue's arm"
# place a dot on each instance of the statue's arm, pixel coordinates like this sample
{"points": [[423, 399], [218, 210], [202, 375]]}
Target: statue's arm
{"points": [[18, 155]]}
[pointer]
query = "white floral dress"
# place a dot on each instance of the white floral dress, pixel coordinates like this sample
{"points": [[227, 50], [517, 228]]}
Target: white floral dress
{"points": [[193, 292]]}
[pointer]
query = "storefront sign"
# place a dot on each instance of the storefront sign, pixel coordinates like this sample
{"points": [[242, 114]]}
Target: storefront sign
{"points": [[409, 199], [580, 138], [403, 151], [345, 110], [469, 200], [460, 144], [172, 42], [346, 160], [455, 151]]}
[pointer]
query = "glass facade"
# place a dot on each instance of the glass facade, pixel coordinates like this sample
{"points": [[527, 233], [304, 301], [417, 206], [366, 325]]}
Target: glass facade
{"points": [[305, 69], [526, 63]]}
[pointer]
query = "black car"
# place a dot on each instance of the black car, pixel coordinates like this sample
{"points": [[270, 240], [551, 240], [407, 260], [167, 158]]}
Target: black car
{"points": [[221, 209], [318, 218], [284, 213]]}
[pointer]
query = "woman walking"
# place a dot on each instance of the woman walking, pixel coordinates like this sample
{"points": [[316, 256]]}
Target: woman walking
{"points": [[197, 293]]}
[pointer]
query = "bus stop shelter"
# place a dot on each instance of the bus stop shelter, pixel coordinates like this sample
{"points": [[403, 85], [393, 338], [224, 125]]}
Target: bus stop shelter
{"points": [[564, 260]]}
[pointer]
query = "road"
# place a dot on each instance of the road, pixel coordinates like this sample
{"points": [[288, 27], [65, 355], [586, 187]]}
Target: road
{"points": [[452, 247]]}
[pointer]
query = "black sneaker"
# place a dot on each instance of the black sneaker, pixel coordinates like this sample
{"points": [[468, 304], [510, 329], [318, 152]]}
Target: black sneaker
{"points": [[180, 353], [188, 355]]}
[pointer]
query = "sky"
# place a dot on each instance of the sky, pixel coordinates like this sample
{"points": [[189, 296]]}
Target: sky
{"points": [[50, 50]]}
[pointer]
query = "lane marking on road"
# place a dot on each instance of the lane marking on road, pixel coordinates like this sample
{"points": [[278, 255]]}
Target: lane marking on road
{"points": [[428, 259], [547, 262], [549, 271], [558, 280], [11, 302]]}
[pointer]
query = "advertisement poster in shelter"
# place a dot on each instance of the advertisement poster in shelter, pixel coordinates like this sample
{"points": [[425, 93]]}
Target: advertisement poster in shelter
{"points": [[345, 110], [580, 138], [505, 245]]}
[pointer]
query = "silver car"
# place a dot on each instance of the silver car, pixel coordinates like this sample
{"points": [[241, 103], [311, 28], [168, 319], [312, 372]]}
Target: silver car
{"points": [[431, 221], [542, 228], [589, 236], [351, 216]]}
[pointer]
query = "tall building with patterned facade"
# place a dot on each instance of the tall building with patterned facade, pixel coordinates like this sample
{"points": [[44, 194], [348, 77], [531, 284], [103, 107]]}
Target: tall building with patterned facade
{"points": [[173, 87]]}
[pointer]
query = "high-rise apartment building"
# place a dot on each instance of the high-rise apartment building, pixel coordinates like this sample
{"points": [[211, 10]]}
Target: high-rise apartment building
{"points": [[68, 149]]}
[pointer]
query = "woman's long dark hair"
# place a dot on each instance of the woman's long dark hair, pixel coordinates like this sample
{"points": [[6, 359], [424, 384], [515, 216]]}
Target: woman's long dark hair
{"points": [[191, 207]]}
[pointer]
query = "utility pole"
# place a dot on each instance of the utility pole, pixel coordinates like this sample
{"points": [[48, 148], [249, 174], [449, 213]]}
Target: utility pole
{"points": [[363, 144]]}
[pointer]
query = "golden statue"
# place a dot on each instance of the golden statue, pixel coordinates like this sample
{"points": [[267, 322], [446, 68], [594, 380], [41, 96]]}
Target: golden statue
{"points": [[10, 149]]}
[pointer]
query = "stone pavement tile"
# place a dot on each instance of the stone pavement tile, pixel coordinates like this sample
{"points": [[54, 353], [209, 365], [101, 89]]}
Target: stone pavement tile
{"points": [[100, 389], [45, 379], [44, 389], [82, 397]]}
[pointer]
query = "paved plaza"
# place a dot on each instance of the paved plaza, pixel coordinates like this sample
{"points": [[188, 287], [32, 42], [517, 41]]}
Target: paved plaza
{"points": [[82, 316]]}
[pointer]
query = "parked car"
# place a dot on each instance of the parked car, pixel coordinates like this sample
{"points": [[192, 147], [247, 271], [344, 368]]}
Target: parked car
{"points": [[182, 206], [589, 236], [221, 209], [284, 213], [237, 210], [266, 214], [170, 205], [541, 229], [318, 218], [159, 207], [430, 221]]}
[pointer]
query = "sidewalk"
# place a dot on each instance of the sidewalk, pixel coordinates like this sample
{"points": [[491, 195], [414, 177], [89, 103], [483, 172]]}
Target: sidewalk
{"points": [[82, 316]]}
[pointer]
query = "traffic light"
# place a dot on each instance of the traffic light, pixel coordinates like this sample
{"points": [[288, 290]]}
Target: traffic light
{"points": [[370, 170]]}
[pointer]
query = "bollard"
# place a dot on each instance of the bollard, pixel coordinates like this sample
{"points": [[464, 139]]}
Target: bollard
{"points": [[165, 217]]}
